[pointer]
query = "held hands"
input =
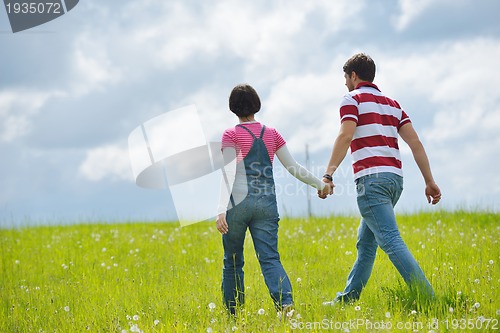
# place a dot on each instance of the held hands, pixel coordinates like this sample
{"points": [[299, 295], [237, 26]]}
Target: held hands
{"points": [[327, 189], [432, 193]]}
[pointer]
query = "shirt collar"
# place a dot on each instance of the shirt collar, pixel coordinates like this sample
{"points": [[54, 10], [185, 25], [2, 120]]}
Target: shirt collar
{"points": [[367, 84]]}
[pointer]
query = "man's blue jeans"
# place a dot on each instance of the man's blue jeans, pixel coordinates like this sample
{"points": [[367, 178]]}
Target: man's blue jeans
{"points": [[377, 196], [258, 212]]}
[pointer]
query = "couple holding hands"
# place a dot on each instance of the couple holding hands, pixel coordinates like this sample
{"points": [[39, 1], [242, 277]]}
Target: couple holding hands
{"points": [[370, 125]]}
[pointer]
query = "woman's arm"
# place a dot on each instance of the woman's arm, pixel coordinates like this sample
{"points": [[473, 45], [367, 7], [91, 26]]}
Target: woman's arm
{"points": [[226, 187], [297, 170]]}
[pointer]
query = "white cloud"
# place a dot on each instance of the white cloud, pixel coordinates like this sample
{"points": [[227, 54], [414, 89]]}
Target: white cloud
{"points": [[410, 10], [17, 108], [265, 36], [93, 67], [107, 162], [304, 108]]}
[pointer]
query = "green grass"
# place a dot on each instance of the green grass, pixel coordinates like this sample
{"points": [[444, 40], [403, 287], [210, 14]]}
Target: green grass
{"points": [[158, 277]]}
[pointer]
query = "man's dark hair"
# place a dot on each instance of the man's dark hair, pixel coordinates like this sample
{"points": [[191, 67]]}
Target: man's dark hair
{"points": [[244, 100], [363, 65]]}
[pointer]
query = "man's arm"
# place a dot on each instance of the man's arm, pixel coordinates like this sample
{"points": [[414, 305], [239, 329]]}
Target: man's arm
{"points": [[410, 136], [340, 147]]}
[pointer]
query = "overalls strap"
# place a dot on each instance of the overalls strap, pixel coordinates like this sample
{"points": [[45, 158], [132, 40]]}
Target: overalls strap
{"points": [[261, 133]]}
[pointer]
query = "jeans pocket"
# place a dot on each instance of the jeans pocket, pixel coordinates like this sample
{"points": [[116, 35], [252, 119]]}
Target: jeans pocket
{"points": [[380, 190]]}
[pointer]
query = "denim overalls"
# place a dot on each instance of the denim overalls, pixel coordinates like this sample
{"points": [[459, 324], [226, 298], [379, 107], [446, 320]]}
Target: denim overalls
{"points": [[258, 212]]}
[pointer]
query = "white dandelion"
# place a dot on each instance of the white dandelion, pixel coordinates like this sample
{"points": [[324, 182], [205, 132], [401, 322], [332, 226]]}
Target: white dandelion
{"points": [[261, 312]]}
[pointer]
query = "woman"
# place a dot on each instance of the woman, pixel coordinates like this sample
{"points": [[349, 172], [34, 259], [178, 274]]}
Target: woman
{"points": [[248, 200]]}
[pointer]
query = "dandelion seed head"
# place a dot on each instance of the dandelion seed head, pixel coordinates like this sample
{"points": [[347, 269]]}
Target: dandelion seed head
{"points": [[299, 280], [66, 308], [261, 312], [210, 330], [491, 262], [357, 308], [135, 317], [413, 312], [388, 315], [135, 328], [451, 309], [476, 305], [211, 306]]}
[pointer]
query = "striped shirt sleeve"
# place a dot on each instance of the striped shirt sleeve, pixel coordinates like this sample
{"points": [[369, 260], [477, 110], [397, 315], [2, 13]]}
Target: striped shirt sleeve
{"points": [[404, 119], [280, 142], [229, 139], [349, 109]]}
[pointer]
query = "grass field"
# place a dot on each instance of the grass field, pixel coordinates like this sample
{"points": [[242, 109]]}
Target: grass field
{"points": [[158, 277]]}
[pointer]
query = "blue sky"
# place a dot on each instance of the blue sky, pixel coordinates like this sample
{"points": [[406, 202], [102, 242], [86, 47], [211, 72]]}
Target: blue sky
{"points": [[72, 90]]}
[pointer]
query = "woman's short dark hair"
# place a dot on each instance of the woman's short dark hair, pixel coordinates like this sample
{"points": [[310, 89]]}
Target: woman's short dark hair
{"points": [[363, 65], [244, 100]]}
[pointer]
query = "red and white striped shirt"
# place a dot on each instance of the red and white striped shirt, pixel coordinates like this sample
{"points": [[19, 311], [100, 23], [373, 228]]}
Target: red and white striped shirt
{"points": [[374, 147], [239, 139]]}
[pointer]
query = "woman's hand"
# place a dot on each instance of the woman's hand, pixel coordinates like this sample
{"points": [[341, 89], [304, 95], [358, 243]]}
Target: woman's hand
{"points": [[222, 224], [327, 189]]}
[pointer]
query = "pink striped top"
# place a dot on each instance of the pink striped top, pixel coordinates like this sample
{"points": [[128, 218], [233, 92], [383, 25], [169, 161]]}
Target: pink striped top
{"points": [[239, 139], [374, 147]]}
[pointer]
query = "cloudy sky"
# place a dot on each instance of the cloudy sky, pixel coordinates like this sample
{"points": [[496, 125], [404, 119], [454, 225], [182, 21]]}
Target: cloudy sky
{"points": [[72, 90]]}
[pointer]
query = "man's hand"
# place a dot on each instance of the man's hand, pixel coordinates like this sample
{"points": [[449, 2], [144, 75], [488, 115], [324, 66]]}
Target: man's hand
{"points": [[222, 224], [327, 189], [432, 193]]}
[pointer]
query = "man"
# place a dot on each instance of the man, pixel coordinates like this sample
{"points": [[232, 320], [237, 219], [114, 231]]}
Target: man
{"points": [[370, 124]]}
